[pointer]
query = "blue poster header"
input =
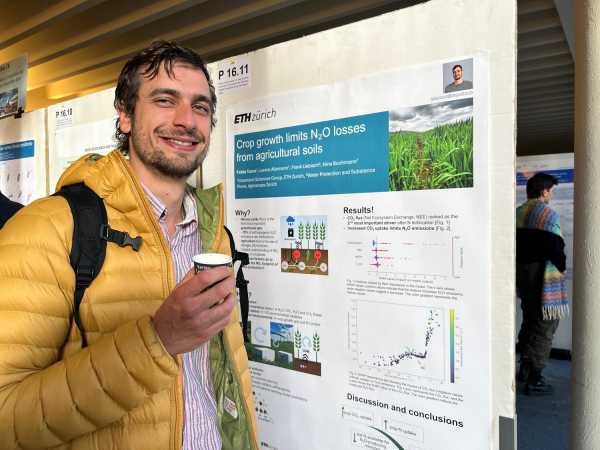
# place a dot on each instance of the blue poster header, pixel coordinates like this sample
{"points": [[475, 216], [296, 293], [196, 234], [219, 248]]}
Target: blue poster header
{"points": [[16, 150], [341, 156]]}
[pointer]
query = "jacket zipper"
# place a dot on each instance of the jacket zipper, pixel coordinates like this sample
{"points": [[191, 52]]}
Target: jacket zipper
{"points": [[177, 392]]}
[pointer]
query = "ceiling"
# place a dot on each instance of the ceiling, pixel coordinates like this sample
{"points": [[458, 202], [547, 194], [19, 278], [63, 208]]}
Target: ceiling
{"points": [[545, 77], [76, 47]]}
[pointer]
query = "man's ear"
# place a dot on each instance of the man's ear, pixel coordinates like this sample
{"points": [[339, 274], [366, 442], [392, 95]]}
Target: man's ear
{"points": [[124, 122]]}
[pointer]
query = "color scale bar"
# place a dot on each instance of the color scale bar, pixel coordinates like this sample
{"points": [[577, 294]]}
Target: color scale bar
{"points": [[452, 346]]}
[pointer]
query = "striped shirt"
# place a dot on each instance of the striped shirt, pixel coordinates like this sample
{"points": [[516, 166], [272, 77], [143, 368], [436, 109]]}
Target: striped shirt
{"points": [[200, 430]]}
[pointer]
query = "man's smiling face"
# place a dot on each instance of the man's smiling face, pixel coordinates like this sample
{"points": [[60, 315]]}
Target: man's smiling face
{"points": [[171, 124], [457, 73]]}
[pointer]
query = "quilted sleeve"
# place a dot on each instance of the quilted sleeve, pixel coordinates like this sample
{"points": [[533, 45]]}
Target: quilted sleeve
{"points": [[47, 399]]}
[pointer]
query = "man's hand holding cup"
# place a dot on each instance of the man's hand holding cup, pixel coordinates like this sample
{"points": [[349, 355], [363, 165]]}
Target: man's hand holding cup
{"points": [[199, 307]]}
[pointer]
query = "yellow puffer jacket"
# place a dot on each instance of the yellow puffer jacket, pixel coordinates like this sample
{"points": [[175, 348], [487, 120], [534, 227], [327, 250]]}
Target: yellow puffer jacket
{"points": [[123, 391]]}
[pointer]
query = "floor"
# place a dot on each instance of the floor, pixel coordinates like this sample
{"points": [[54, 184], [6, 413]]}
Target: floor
{"points": [[543, 422]]}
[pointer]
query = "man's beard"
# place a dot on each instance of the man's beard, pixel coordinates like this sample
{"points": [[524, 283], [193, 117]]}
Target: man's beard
{"points": [[177, 167]]}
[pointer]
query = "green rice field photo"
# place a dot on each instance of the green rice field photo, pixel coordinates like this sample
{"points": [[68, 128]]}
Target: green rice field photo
{"points": [[431, 146]]}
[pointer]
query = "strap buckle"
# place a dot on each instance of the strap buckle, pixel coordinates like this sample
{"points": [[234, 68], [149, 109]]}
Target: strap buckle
{"points": [[121, 238], [85, 275]]}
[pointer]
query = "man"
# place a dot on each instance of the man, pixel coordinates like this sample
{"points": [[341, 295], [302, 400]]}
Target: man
{"points": [[541, 264], [458, 84], [165, 367], [7, 208]]}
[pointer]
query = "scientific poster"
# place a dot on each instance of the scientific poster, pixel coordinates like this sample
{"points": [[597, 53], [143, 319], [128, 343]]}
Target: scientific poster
{"points": [[562, 167], [17, 171], [364, 206], [72, 142], [13, 86]]}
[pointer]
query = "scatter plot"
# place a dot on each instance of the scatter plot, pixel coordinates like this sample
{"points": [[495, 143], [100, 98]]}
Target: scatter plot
{"points": [[402, 338]]}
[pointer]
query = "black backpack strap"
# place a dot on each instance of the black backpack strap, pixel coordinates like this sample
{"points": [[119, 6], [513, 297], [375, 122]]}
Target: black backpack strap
{"points": [[88, 249], [91, 233], [240, 282]]}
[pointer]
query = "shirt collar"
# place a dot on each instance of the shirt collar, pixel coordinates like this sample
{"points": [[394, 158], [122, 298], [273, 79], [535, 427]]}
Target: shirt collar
{"points": [[190, 215]]}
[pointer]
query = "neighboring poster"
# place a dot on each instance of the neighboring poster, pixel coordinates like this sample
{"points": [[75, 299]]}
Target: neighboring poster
{"points": [[17, 171], [72, 142], [364, 207], [13, 86], [562, 167]]}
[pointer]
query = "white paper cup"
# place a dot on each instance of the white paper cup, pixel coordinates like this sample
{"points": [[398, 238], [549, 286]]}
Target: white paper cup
{"points": [[206, 261]]}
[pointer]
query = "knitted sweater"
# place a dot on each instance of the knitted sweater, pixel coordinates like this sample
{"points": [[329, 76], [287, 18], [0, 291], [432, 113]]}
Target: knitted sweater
{"points": [[539, 239]]}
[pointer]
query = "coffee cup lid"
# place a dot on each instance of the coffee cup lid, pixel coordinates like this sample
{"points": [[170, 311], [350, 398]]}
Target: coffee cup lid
{"points": [[212, 259]]}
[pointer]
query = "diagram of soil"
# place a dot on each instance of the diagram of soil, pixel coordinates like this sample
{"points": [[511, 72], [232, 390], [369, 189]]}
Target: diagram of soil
{"points": [[309, 262], [303, 240]]}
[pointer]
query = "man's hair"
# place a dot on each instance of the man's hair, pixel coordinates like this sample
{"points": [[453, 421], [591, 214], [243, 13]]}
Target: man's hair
{"points": [[147, 63], [538, 183], [455, 66]]}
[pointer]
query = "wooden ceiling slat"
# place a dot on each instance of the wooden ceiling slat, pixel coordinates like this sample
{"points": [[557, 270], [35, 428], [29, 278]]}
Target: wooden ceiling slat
{"points": [[550, 99], [546, 63], [545, 91], [534, 6], [543, 51], [542, 74], [121, 24], [541, 37], [558, 122], [546, 111], [556, 118], [557, 80], [541, 20], [46, 17]]}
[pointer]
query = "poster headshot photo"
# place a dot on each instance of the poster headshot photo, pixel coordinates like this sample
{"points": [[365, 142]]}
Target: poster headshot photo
{"points": [[458, 75]]}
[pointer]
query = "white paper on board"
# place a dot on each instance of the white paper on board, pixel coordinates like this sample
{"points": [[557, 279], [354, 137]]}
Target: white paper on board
{"points": [[71, 143], [233, 73], [369, 296]]}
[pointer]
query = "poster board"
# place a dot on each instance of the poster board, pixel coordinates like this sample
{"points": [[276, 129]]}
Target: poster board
{"points": [[346, 259], [561, 166], [23, 157], [76, 127]]}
